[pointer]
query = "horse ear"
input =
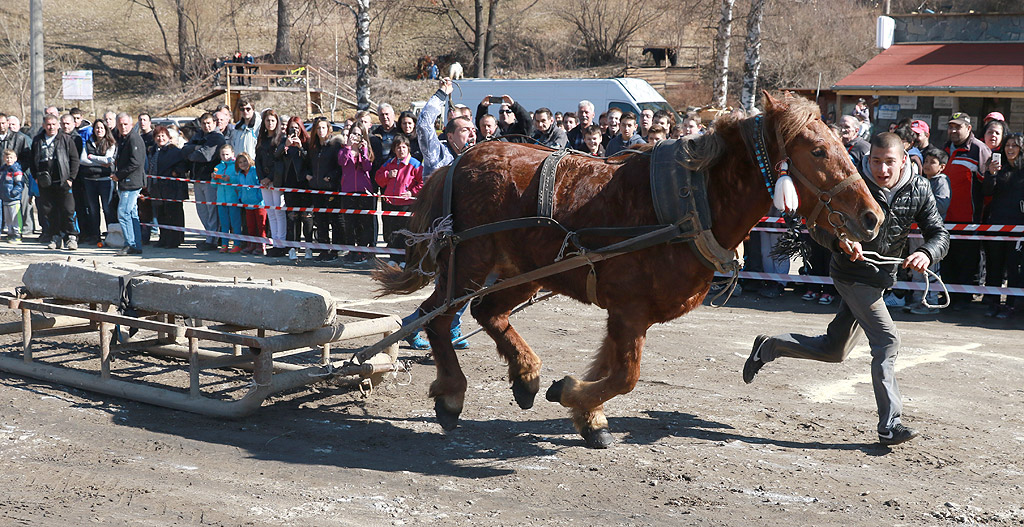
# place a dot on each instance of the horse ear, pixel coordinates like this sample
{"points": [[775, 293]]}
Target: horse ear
{"points": [[769, 101]]}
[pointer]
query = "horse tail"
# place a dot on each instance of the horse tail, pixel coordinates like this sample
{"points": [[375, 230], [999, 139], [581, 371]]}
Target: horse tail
{"points": [[420, 264]]}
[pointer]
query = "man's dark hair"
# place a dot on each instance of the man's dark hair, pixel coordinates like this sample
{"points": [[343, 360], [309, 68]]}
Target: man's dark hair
{"points": [[206, 116], [3, 115], [662, 113], [628, 116], [540, 111], [76, 111], [570, 115], [146, 114], [937, 153], [886, 140], [592, 129]]}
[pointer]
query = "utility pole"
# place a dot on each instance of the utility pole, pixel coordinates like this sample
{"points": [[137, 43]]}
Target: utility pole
{"points": [[36, 64]]}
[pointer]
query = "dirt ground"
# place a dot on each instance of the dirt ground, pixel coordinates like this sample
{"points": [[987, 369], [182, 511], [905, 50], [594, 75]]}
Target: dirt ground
{"points": [[695, 446]]}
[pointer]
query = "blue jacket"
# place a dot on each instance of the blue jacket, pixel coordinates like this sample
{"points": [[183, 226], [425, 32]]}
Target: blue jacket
{"points": [[224, 172], [12, 181], [251, 196]]}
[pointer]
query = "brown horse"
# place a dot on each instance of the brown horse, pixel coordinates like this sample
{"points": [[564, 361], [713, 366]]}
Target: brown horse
{"points": [[497, 181]]}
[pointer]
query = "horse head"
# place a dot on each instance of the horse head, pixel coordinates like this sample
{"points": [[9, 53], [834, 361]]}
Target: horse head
{"points": [[831, 191]]}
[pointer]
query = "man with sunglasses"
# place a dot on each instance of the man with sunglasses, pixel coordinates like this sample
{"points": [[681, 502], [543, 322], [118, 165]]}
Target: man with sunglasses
{"points": [[513, 119], [243, 137]]}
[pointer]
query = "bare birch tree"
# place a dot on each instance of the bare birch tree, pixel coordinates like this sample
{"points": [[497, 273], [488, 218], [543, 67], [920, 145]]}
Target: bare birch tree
{"points": [[752, 52], [362, 13], [722, 41]]}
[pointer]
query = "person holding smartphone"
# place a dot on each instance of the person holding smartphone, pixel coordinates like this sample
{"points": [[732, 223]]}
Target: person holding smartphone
{"points": [[1004, 184], [513, 119]]}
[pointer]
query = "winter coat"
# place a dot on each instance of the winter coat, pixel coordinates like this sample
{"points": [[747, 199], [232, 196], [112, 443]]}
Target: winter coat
{"points": [[355, 169], [267, 164], [170, 162], [65, 162], [409, 178], [99, 165], [204, 153], [12, 182], [1007, 190], [251, 196], [293, 166], [130, 165], [555, 137], [225, 172], [323, 165]]}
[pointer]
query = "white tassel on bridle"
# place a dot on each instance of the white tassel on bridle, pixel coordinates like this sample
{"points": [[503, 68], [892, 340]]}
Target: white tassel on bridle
{"points": [[786, 198]]}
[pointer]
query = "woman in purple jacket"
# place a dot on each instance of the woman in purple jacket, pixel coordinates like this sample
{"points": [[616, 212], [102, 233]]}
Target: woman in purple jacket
{"points": [[356, 159]]}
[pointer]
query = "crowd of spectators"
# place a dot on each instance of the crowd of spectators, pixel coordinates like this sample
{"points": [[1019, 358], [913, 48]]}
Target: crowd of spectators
{"points": [[80, 182]]}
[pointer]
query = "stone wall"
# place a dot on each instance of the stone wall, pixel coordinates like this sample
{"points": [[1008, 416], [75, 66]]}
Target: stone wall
{"points": [[959, 27]]}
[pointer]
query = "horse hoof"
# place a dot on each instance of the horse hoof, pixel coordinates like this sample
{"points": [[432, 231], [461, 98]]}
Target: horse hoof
{"points": [[554, 393], [600, 438], [448, 419], [523, 393]]}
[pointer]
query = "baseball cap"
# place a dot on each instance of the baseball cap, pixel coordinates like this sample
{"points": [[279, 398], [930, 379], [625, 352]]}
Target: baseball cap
{"points": [[994, 115], [960, 118], [920, 127]]}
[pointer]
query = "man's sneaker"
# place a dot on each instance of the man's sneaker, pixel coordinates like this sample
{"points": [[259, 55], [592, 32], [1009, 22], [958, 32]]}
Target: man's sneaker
{"points": [[891, 300], [826, 299], [417, 342], [754, 362], [809, 296], [72, 244], [55, 243], [293, 254], [897, 434]]}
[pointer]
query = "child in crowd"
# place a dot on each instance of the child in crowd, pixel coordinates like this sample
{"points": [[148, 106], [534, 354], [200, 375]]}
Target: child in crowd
{"points": [[12, 184], [255, 214], [401, 178], [627, 137], [592, 138], [934, 163], [656, 133], [230, 216]]}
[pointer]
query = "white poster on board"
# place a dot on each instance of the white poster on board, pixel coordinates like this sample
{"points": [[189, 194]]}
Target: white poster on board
{"points": [[887, 112], [908, 102], [77, 85], [943, 123], [943, 103]]}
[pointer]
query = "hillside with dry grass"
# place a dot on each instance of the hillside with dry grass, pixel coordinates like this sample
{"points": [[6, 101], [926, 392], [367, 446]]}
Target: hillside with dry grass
{"points": [[132, 49]]}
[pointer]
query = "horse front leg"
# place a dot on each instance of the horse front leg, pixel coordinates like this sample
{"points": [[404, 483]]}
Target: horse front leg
{"points": [[492, 313], [614, 371]]}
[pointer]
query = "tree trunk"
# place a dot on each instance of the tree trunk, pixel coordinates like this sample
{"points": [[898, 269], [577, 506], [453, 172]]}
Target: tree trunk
{"points": [[721, 80], [283, 48], [184, 49], [479, 39], [752, 52], [489, 39], [363, 54]]}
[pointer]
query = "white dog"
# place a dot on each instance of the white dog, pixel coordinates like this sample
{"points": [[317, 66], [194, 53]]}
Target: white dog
{"points": [[455, 71]]}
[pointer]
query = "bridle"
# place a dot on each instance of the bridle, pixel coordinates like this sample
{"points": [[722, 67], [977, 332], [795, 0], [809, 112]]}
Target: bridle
{"points": [[771, 173]]}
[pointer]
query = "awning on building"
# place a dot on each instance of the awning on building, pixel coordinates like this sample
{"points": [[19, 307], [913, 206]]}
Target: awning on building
{"points": [[982, 69]]}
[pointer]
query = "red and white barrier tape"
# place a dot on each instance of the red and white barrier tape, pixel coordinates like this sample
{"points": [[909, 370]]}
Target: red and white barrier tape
{"points": [[916, 286], [289, 209], [281, 243], [916, 235], [281, 189], [952, 227]]}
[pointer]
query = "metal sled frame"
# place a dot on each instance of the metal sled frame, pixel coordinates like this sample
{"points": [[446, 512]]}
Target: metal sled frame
{"points": [[252, 353]]}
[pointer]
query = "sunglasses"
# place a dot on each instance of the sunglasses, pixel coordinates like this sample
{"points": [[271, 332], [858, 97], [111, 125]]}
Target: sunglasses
{"points": [[505, 111]]}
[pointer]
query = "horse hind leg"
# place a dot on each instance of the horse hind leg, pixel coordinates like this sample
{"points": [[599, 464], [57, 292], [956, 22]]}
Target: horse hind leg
{"points": [[492, 313], [614, 371]]}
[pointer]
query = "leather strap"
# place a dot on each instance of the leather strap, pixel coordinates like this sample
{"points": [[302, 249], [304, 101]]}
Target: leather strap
{"points": [[546, 183]]}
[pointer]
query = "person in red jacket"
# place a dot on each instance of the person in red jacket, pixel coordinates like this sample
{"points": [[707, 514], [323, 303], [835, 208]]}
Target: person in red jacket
{"points": [[967, 158], [401, 178]]}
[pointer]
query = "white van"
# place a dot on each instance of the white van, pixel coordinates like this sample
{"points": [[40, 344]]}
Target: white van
{"points": [[564, 95]]}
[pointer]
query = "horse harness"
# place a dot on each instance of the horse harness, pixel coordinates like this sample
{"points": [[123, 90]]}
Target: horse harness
{"points": [[680, 203]]}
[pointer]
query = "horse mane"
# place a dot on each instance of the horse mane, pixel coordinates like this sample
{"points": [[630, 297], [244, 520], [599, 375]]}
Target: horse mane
{"points": [[790, 116]]}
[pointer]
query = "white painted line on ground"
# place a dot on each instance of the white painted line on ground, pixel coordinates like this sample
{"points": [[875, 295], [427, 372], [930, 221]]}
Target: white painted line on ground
{"points": [[13, 267]]}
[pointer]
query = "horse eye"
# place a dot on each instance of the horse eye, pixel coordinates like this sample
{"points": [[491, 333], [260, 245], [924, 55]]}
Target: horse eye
{"points": [[818, 152]]}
